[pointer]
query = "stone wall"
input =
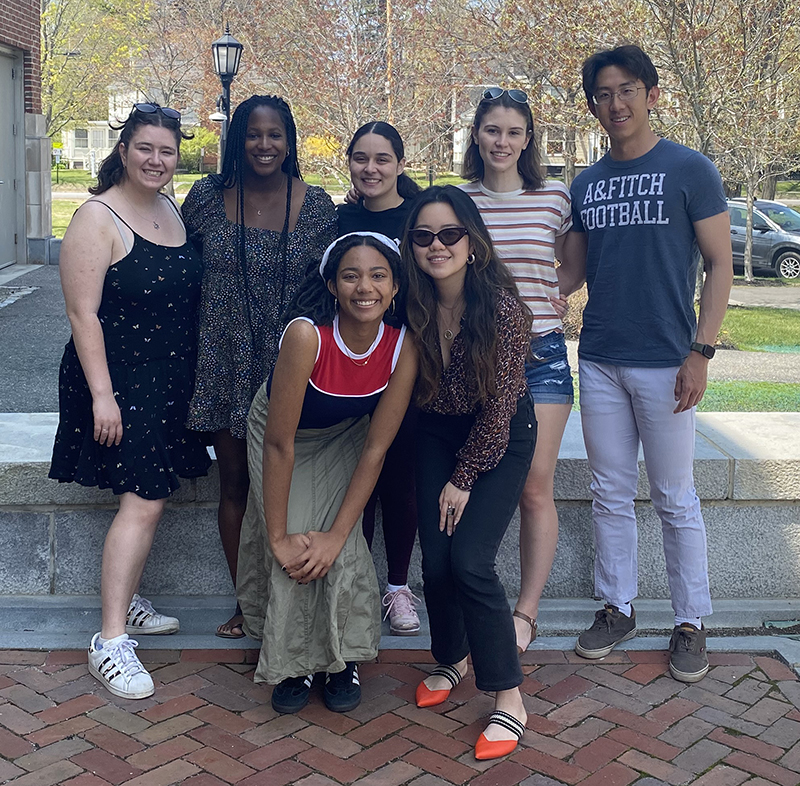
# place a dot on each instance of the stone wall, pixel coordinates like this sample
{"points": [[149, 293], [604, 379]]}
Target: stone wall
{"points": [[747, 471]]}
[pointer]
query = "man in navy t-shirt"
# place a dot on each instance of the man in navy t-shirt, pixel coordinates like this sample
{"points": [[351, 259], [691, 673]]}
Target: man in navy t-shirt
{"points": [[640, 215]]}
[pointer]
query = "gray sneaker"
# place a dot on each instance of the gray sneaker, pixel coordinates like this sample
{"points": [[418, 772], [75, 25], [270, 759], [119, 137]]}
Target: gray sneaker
{"points": [[688, 659], [610, 627]]}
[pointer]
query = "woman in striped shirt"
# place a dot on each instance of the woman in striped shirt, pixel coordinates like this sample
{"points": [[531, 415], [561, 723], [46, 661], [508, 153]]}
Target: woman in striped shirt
{"points": [[528, 219]]}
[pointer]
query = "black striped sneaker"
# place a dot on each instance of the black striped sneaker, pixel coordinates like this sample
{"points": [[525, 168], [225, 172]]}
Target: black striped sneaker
{"points": [[343, 689], [143, 618], [291, 694], [116, 666]]}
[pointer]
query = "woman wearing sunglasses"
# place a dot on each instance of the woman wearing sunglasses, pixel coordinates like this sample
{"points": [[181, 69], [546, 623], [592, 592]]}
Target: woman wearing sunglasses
{"points": [[475, 441], [260, 230], [131, 284], [380, 202], [529, 219]]}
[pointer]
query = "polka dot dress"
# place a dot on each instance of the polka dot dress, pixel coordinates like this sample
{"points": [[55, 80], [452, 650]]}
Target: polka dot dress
{"points": [[236, 353], [148, 314]]}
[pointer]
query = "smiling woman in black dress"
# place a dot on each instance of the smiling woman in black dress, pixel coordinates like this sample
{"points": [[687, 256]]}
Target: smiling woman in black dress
{"points": [[131, 285]]}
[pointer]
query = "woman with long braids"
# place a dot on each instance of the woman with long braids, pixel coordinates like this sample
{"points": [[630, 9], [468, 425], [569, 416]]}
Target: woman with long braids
{"points": [[529, 219], [475, 441], [383, 197], [260, 228], [306, 580], [131, 283]]}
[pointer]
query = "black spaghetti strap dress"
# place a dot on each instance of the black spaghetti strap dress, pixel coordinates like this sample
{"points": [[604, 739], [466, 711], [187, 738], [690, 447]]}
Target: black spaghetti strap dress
{"points": [[148, 313]]}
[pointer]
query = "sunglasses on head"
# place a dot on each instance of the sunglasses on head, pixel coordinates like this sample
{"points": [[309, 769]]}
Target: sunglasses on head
{"points": [[493, 93], [447, 237], [150, 109]]}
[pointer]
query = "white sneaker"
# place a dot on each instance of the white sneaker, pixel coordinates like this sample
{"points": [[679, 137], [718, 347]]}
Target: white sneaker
{"points": [[144, 619], [403, 617], [118, 668]]}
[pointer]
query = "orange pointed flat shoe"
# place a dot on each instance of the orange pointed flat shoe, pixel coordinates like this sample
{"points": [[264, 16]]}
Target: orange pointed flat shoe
{"points": [[430, 698], [494, 749]]}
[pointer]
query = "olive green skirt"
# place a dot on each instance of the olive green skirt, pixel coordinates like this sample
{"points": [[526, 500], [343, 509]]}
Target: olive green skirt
{"points": [[306, 628]]}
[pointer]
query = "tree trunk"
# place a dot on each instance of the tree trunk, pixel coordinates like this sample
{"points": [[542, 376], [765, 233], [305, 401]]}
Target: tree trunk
{"points": [[770, 185], [748, 240], [570, 149]]}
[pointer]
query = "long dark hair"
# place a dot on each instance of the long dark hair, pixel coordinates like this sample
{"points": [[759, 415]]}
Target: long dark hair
{"points": [[406, 187], [112, 170], [233, 173], [314, 300], [529, 164], [485, 279]]}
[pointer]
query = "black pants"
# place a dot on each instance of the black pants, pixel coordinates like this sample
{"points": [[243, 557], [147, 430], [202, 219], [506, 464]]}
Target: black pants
{"points": [[395, 489], [467, 605]]}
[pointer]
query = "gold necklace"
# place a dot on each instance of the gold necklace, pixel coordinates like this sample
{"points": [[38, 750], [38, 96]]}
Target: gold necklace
{"points": [[252, 206], [155, 224], [448, 332]]}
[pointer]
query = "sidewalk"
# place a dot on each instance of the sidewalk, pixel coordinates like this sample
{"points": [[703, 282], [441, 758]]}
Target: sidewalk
{"points": [[613, 723]]}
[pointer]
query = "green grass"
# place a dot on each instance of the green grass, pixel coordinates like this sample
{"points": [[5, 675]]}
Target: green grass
{"points": [[750, 397], [788, 187], [62, 214], [762, 329], [741, 397]]}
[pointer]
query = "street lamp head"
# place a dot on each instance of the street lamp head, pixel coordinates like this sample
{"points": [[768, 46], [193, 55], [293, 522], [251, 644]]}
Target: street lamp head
{"points": [[227, 53], [218, 117]]}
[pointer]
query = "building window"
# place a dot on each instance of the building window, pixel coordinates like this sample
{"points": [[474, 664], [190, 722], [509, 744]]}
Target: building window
{"points": [[113, 136], [81, 138], [98, 137]]}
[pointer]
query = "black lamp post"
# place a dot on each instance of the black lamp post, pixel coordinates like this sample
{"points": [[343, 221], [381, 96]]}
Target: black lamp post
{"points": [[227, 53]]}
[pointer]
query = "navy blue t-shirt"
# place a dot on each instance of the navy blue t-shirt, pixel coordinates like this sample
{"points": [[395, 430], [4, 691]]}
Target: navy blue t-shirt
{"points": [[642, 253]]}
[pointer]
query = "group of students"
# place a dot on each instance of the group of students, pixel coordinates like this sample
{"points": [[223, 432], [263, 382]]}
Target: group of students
{"points": [[406, 348]]}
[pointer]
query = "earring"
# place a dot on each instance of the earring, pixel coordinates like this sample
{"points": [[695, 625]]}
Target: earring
{"points": [[392, 308], [336, 304], [471, 259]]}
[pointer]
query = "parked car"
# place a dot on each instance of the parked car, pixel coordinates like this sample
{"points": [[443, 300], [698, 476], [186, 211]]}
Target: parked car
{"points": [[776, 237]]}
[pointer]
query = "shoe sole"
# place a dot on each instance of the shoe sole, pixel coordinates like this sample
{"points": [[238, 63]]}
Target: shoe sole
{"points": [[342, 707], [684, 676], [116, 691], [286, 709], [603, 651], [157, 630], [404, 632]]}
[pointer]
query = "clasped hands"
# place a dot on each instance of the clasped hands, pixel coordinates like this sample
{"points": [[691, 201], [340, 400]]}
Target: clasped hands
{"points": [[307, 556]]}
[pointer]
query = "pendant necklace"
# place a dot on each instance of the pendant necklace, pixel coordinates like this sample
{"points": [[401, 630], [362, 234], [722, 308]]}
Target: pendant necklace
{"points": [[352, 357], [448, 331], [155, 223]]}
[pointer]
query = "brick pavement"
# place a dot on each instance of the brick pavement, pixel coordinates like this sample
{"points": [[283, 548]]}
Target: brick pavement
{"points": [[616, 722]]}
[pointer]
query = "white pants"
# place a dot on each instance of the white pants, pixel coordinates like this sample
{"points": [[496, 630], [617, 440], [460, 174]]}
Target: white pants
{"points": [[621, 406]]}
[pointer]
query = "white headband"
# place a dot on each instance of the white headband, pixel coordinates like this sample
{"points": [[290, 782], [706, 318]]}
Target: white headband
{"points": [[382, 239]]}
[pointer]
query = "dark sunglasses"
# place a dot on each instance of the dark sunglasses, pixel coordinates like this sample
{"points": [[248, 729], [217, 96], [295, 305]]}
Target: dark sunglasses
{"points": [[448, 237], [493, 93], [150, 109]]}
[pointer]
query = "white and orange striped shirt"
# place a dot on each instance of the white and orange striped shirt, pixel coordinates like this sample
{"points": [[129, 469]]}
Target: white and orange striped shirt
{"points": [[524, 225]]}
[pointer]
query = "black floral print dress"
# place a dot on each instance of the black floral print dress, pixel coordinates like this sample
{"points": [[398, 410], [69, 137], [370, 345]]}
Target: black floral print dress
{"points": [[148, 313], [241, 312]]}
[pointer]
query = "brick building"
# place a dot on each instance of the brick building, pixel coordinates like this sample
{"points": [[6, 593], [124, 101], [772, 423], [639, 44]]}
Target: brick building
{"points": [[25, 218]]}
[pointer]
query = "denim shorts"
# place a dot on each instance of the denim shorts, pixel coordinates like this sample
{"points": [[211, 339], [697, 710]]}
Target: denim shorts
{"points": [[547, 370]]}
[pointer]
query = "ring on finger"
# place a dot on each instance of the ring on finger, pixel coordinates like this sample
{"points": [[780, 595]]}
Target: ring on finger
{"points": [[451, 511]]}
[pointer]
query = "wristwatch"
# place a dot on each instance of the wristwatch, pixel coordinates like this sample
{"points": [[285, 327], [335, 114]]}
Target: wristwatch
{"points": [[706, 350]]}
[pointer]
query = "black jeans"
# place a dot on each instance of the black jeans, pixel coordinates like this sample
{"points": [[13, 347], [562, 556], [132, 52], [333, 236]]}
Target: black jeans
{"points": [[467, 605]]}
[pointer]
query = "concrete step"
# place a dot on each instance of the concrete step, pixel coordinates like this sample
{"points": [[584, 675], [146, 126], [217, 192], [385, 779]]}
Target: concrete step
{"points": [[68, 622]]}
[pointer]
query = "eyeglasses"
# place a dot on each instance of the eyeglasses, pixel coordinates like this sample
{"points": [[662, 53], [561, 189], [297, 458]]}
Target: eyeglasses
{"points": [[493, 93], [625, 94], [150, 109], [448, 236]]}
